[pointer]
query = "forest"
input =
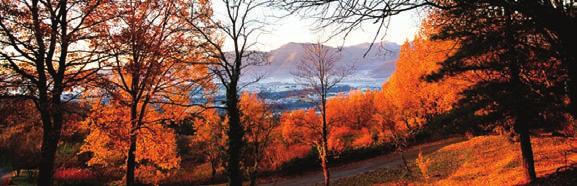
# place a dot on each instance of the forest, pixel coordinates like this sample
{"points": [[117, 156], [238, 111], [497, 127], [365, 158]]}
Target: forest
{"points": [[154, 92]]}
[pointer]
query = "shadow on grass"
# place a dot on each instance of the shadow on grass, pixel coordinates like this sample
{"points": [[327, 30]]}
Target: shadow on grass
{"points": [[565, 176]]}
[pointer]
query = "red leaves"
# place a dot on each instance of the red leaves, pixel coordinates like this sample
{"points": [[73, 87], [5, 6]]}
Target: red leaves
{"points": [[73, 174]]}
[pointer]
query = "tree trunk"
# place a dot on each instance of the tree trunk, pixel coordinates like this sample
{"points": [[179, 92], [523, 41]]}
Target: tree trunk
{"points": [[213, 170], [572, 86], [131, 157], [256, 159], [527, 154], [325, 148], [523, 116], [253, 176], [325, 167], [235, 133], [405, 163], [52, 124], [49, 146], [131, 161]]}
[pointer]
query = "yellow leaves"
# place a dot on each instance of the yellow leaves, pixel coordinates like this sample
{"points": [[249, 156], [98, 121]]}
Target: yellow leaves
{"points": [[407, 99], [108, 141], [423, 164], [257, 119], [494, 160], [98, 143], [210, 128]]}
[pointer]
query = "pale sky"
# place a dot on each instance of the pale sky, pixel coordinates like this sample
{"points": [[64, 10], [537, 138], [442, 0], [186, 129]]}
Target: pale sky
{"points": [[293, 28]]}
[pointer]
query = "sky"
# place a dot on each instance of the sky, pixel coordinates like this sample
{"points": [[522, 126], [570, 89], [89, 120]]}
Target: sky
{"points": [[294, 28]]}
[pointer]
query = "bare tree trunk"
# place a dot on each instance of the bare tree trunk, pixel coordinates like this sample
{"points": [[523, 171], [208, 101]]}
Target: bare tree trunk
{"points": [[572, 86], [256, 159], [527, 153], [213, 169], [324, 154], [131, 159], [324, 165], [405, 162], [48, 152], [253, 176], [521, 125], [235, 133], [52, 124]]}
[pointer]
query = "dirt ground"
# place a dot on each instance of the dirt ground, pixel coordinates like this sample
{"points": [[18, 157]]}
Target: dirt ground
{"points": [[379, 162]]}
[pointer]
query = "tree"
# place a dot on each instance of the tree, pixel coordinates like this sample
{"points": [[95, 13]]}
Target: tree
{"points": [[41, 58], [19, 127], [522, 85], [109, 140], [258, 120], [353, 110], [552, 25], [319, 72], [554, 18], [237, 27], [155, 65], [211, 138], [352, 120]]}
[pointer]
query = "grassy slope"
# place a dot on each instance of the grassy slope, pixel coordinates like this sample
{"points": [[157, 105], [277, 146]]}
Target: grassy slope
{"points": [[484, 160]]}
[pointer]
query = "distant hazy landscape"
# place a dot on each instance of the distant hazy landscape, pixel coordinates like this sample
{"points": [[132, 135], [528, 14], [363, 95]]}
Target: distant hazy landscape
{"points": [[278, 85]]}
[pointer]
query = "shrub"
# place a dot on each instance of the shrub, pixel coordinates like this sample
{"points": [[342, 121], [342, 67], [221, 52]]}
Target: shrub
{"points": [[75, 176], [423, 164]]}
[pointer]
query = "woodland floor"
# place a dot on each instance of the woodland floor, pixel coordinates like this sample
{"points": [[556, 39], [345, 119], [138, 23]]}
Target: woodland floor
{"points": [[388, 161], [483, 160]]}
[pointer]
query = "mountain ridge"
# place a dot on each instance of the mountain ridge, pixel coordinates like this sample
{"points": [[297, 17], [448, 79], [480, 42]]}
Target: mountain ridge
{"points": [[376, 64]]}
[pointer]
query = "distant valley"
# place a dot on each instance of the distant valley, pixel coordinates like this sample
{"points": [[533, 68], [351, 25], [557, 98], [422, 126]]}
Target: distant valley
{"points": [[278, 85]]}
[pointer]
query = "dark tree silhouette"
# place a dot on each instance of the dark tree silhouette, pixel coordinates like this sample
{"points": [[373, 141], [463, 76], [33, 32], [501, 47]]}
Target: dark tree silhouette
{"points": [[239, 26], [520, 83], [41, 58]]}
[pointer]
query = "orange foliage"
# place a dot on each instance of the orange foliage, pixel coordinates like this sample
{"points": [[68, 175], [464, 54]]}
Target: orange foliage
{"points": [[279, 153], [494, 160], [210, 138], [301, 126], [405, 103], [304, 127], [414, 98], [256, 118], [108, 143], [258, 123], [354, 110]]}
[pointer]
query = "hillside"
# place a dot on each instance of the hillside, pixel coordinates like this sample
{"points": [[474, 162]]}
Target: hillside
{"points": [[484, 160], [377, 65]]}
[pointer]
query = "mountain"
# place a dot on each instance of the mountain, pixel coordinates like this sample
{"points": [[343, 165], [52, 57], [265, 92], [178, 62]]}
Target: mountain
{"points": [[374, 68]]}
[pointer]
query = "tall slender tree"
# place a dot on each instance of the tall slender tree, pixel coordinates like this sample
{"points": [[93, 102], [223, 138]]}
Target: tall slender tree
{"points": [[319, 71], [238, 27], [43, 55]]}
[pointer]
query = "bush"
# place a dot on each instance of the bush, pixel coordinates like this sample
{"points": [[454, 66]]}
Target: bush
{"points": [[75, 176], [423, 165]]}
